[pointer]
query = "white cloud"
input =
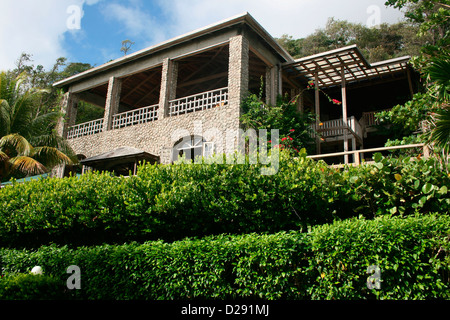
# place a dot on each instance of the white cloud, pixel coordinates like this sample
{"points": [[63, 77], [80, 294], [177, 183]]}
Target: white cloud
{"points": [[34, 27], [138, 24]]}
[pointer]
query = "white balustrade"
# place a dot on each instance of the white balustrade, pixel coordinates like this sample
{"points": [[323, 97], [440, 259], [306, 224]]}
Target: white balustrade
{"points": [[85, 129], [134, 117], [199, 102]]}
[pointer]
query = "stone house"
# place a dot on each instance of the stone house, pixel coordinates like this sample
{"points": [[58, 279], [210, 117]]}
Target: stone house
{"points": [[183, 96]]}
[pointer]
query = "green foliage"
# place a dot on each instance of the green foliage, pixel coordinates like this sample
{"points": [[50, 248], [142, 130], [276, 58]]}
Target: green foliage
{"points": [[383, 42], [294, 126], [31, 287], [329, 262], [194, 200], [411, 253], [398, 186]]}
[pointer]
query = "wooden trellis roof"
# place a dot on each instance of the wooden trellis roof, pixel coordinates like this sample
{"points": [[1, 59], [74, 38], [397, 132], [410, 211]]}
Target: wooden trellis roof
{"points": [[328, 66]]}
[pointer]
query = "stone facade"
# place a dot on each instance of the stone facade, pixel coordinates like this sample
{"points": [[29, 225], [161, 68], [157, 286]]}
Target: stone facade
{"points": [[219, 125]]}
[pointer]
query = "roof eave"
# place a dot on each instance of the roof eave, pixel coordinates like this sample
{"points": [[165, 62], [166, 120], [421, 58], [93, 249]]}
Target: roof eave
{"points": [[235, 20]]}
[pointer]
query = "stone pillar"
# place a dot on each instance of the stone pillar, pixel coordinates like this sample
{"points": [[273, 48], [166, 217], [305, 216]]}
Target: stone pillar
{"points": [[273, 88], [168, 91], [238, 78], [112, 102], [69, 108], [238, 71]]}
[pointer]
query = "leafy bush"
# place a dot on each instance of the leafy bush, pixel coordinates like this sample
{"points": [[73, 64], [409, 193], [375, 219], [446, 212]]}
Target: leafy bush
{"points": [[195, 200], [30, 287], [328, 262], [398, 186]]}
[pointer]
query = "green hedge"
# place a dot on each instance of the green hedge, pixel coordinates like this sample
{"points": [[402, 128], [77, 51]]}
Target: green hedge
{"points": [[328, 262], [31, 287], [176, 201]]}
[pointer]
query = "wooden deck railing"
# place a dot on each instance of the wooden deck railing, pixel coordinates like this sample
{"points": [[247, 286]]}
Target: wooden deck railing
{"points": [[337, 128], [357, 153], [369, 119], [134, 117], [199, 102]]}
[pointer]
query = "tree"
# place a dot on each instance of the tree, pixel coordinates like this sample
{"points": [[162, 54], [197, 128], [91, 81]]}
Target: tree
{"points": [[24, 125], [378, 43], [19, 158], [432, 17], [126, 46]]}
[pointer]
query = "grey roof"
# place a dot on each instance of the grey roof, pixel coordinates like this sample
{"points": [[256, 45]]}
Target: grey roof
{"points": [[120, 153]]}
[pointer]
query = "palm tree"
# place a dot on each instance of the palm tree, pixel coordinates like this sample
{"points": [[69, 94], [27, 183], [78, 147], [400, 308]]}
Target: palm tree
{"points": [[19, 157], [28, 140], [439, 74]]}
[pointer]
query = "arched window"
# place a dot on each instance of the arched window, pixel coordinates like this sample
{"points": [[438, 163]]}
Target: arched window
{"points": [[192, 147]]}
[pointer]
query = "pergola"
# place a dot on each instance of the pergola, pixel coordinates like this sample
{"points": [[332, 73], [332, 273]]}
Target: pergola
{"points": [[342, 67]]}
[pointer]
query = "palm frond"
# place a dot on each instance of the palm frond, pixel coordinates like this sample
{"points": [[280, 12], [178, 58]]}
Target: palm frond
{"points": [[3, 156], [50, 156], [55, 141], [16, 142], [439, 71], [27, 165], [440, 134]]}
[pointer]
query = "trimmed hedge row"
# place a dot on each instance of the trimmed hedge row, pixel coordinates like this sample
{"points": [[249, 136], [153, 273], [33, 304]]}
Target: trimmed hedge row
{"points": [[328, 262], [185, 200]]}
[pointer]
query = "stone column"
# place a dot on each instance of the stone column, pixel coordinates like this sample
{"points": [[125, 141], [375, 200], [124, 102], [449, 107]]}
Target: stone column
{"points": [[69, 108], [238, 71], [112, 102], [238, 78], [168, 86], [272, 84]]}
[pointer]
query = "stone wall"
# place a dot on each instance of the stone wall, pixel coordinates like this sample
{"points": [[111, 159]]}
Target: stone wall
{"points": [[219, 125]]}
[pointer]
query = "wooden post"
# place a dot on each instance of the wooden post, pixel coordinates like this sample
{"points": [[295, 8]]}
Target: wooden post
{"points": [[426, 151], [344, 111], [411, 90], [317, 108], [356, 157]]}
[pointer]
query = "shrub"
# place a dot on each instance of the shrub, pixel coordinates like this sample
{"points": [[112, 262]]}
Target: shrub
{"points": [[30, 287], [328, 262], [195, 200]]}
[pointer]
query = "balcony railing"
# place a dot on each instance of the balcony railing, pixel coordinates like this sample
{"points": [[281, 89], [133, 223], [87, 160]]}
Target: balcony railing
{"points": [[135, 117], [199, 102], [337, 128], [85, 129], [369, 119]]}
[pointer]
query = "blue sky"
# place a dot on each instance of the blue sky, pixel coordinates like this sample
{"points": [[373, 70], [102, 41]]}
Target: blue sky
{"points": [[91, 31]]}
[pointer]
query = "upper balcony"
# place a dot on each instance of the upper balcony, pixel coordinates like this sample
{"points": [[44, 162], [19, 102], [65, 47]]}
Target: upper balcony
{"points": [[193, 103]]}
